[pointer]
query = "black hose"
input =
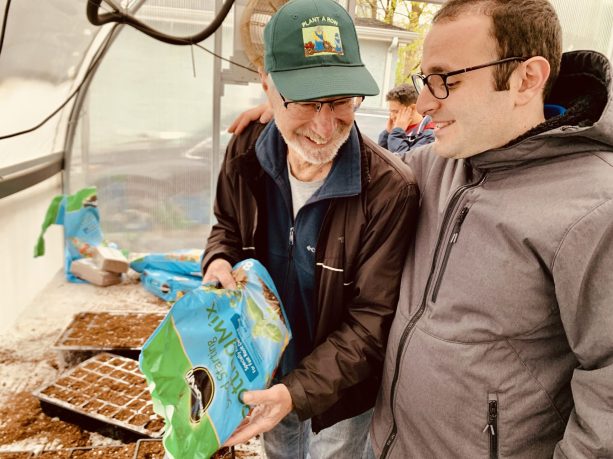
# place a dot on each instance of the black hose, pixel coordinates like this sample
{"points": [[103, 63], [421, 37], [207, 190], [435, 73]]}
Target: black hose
{"points": [[93, 8], [6, 16]]}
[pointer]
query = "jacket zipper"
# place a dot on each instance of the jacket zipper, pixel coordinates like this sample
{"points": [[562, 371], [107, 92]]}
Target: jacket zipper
{"points": [[422, 307], [492, 424], [290, 251], [452, 240]]}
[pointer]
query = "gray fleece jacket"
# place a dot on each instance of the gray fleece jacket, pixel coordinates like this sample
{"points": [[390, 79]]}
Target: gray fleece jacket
{"points": [[502, 344]]}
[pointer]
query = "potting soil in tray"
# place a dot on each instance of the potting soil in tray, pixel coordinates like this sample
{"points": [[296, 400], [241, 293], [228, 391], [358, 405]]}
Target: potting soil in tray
{"points": [[108, 331], [107, 388], [101, 452]]}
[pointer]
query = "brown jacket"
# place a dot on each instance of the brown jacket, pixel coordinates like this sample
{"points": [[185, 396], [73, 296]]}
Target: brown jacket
{"points": [[360, 253]]}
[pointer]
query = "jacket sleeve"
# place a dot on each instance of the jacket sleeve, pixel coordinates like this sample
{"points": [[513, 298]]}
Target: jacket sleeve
{"points": [[398, 141], [354, 351], [583, 275], [225, 240], [383, 138]]}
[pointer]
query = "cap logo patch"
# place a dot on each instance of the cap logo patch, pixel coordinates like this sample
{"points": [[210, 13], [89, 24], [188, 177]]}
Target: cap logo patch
{"points": [[321, 36]]}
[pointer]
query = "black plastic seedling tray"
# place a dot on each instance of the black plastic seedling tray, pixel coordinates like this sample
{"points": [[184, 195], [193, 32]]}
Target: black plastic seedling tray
{"points": [[106, 393]]}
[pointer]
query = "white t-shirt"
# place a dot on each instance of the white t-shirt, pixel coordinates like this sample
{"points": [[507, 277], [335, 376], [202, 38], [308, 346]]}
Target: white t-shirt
{"points": [[301, 191]]}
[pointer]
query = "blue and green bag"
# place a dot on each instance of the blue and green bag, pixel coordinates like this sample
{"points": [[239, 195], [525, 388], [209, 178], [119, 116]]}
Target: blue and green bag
{"points": [[79, 215], [168, 286], [213, 345], [186, 262]]}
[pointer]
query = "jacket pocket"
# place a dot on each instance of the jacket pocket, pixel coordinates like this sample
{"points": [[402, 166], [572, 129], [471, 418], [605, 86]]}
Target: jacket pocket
{"points": [[450, 243], [491, 428]]}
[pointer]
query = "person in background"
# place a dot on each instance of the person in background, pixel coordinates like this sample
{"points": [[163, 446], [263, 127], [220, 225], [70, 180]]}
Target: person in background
{"points": [[330, 214], [406, 128]]}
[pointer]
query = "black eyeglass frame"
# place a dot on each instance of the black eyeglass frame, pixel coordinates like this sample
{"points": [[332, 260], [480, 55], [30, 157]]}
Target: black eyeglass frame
{"points": [[321, 102], [424, 78]]}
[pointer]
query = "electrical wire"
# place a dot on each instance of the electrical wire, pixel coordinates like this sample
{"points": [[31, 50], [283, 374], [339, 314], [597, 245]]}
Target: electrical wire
{"points": [[4, 21], [251, 69]]}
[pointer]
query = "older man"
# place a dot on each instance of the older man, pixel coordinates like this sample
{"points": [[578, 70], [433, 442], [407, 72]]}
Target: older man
{"points": [[330, 214]]}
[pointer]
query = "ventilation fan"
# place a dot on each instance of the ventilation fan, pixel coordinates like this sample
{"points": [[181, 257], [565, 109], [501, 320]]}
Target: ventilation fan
{"points": [[255, 16]]}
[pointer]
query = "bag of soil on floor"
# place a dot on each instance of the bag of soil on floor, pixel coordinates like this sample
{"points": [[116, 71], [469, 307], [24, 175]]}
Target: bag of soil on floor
{"points": [[79, 215], [168, 286], [213, 345]]}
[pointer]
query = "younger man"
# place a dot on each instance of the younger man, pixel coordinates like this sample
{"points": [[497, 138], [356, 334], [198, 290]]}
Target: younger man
{"points": [[502, 343]]}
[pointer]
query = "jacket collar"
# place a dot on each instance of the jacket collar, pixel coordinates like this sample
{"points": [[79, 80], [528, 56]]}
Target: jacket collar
{"points": [[344, 178]]}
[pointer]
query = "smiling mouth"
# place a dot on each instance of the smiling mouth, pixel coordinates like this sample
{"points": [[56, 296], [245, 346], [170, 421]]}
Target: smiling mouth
{"points": [[443, 124], [316, 140]]}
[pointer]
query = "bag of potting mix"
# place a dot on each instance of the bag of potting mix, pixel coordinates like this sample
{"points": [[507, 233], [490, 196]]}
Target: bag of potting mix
{"points": [[167, 285], [213, 345], [186, 262], [79, 215]]}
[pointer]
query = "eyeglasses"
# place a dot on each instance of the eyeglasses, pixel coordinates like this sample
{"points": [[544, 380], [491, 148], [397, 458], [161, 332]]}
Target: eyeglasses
{"points": [[342, 106], [437, 82]]}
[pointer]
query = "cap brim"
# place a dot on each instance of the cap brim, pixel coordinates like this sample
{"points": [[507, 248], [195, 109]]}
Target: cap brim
{"points": [[321, 82]]}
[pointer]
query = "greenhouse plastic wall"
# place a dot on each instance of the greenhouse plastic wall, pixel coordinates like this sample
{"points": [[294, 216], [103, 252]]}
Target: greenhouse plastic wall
{"points": [[146, 132], [586, 25], [143, 138], [38, 65]]}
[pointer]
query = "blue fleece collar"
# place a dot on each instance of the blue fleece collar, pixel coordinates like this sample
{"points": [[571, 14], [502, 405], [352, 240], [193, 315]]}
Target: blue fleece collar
{"points": [[344, 178]]}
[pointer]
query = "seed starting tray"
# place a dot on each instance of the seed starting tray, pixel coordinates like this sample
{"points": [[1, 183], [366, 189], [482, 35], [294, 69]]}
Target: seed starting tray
{"points": [[120, 333], [106, 388]]}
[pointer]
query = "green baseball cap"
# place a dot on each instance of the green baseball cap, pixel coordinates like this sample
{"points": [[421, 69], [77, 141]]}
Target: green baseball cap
{"points": [[311, 51]]}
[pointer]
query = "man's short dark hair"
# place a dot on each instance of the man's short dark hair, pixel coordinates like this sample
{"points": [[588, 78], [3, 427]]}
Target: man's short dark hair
{"points": [[522, 28], [404, 94]]}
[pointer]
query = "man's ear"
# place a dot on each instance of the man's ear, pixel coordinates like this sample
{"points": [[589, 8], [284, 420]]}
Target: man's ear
{"points": [[532, 75]]}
